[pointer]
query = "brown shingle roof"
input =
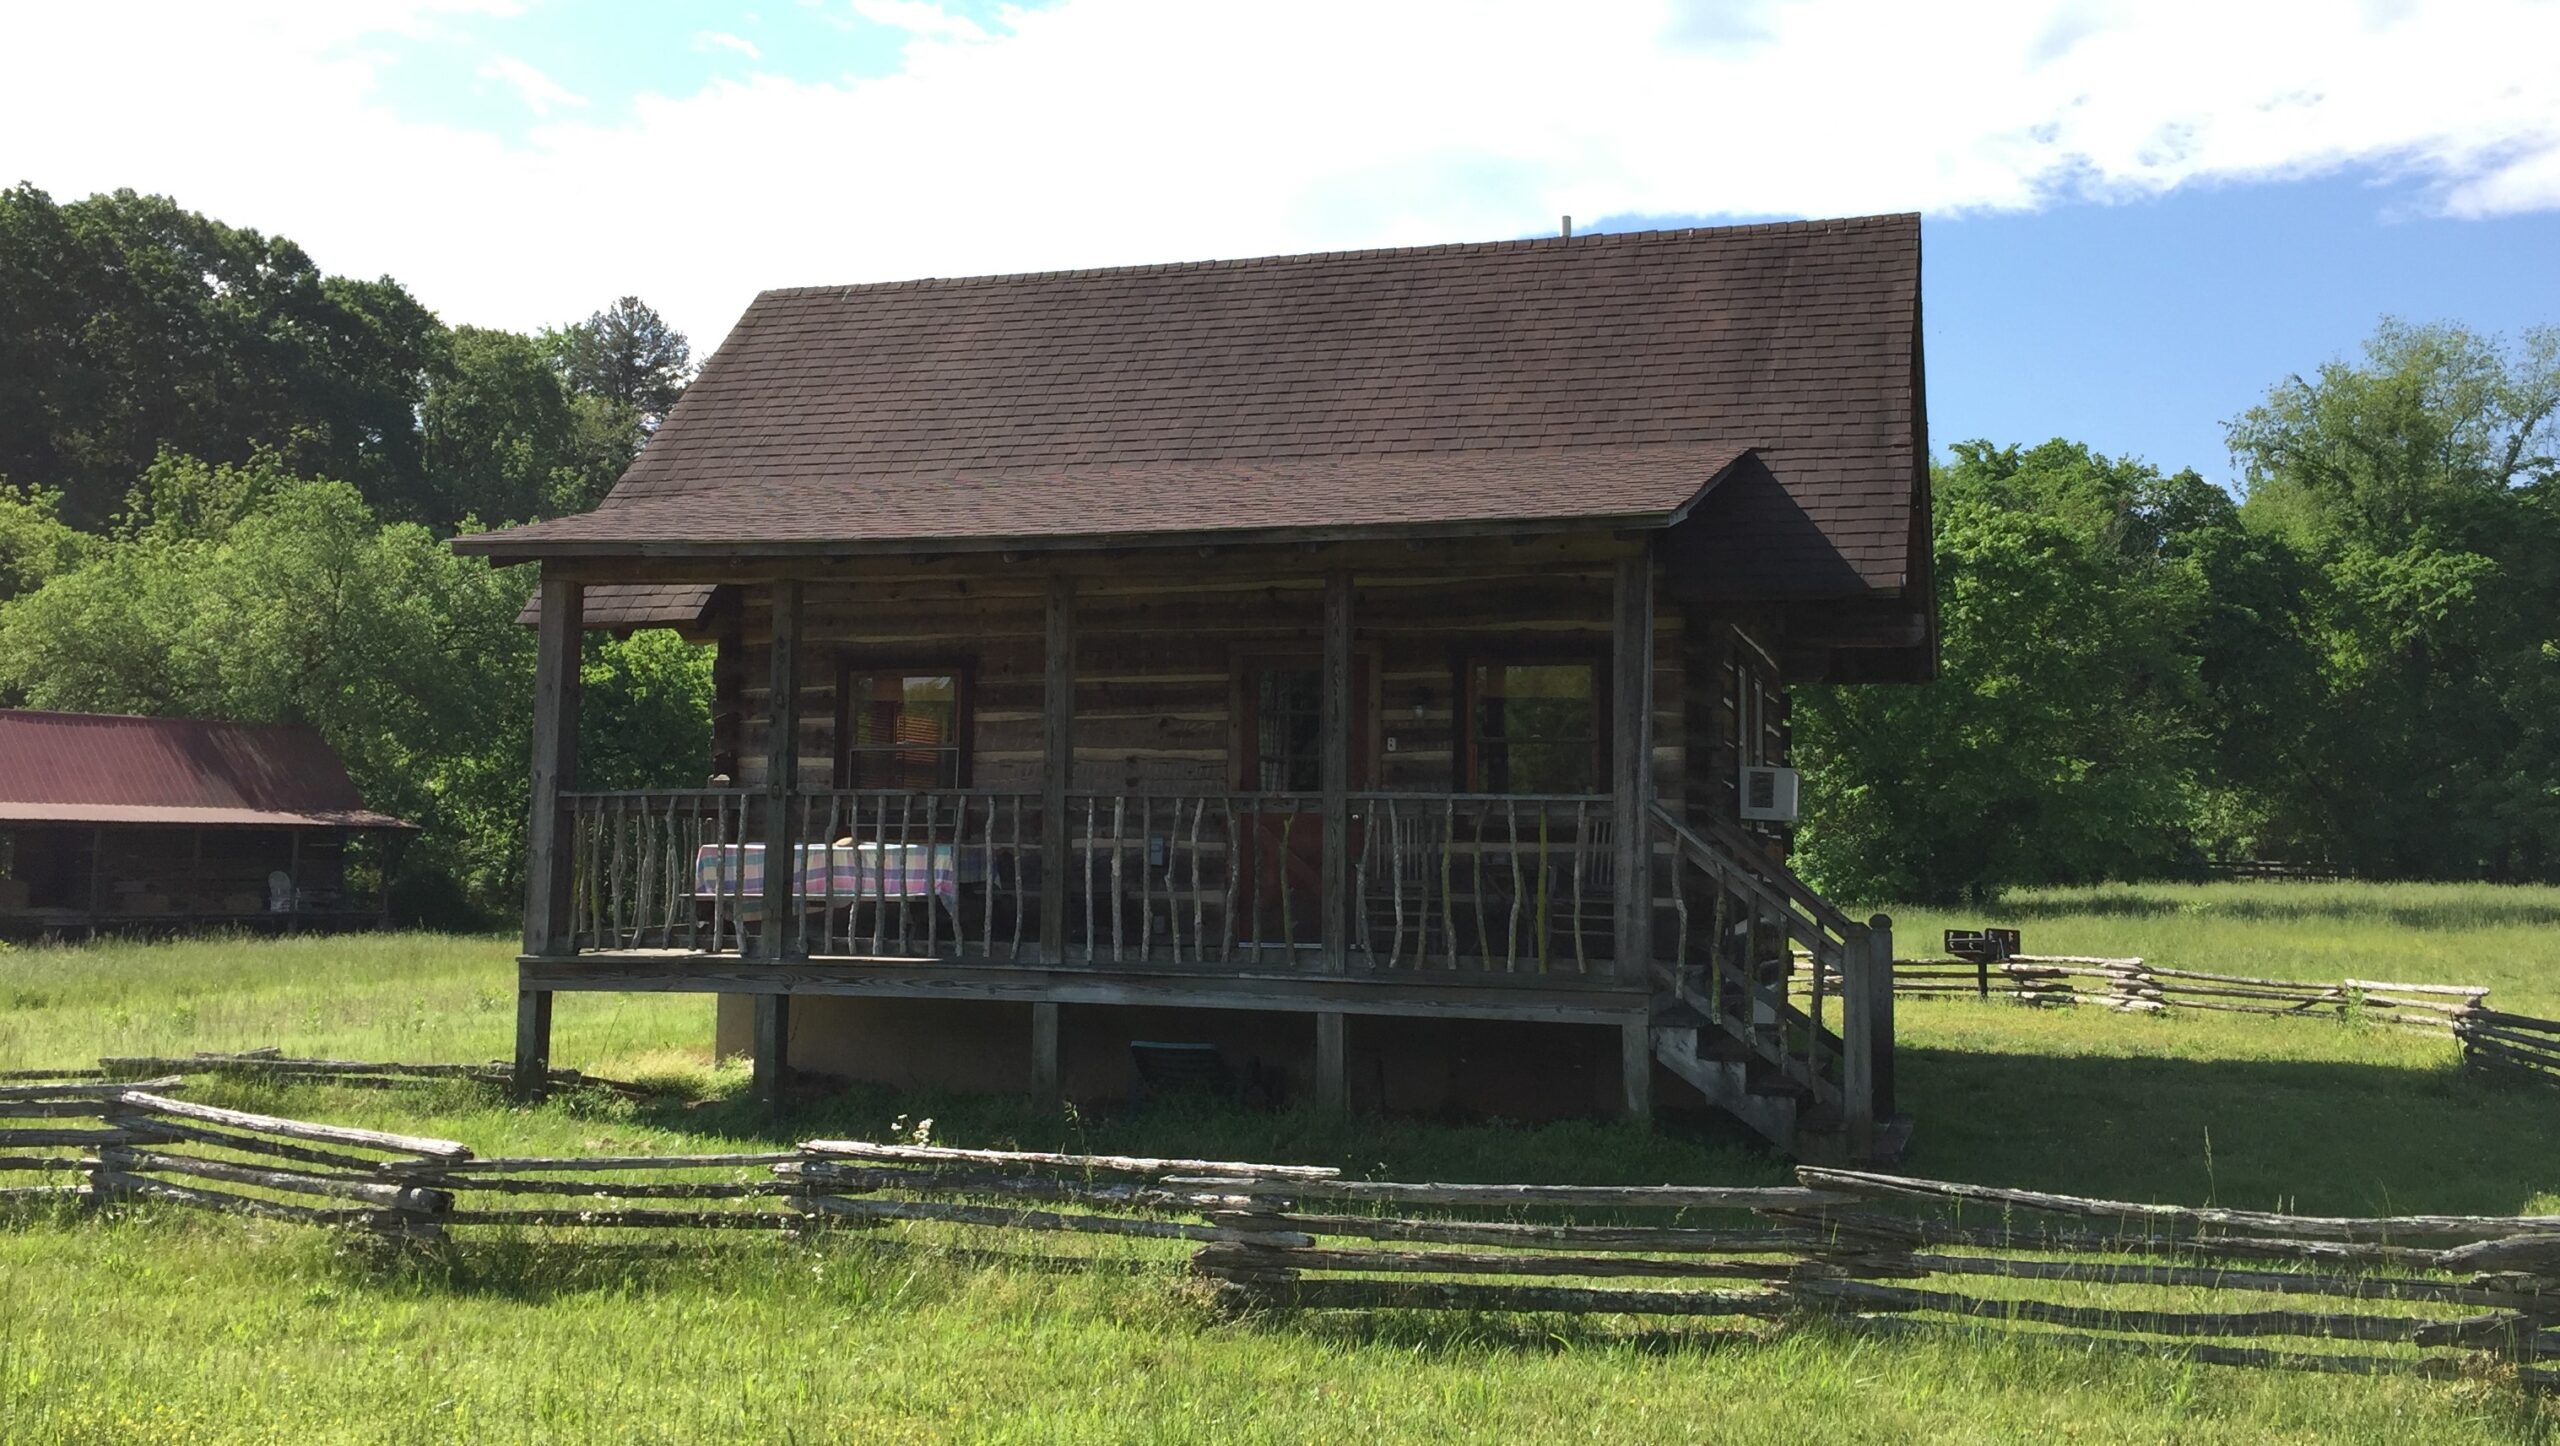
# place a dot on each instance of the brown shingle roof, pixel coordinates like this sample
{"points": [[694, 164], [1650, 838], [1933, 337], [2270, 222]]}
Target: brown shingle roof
{"points": [[614, 607], [114, 768], [1605, 380]]}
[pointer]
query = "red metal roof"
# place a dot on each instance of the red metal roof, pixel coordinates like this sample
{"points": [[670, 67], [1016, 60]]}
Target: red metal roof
{"points": [[113, 768]]}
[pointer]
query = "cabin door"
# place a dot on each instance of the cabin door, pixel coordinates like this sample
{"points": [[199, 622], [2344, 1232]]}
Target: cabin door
{"points": [[1279, 748]]}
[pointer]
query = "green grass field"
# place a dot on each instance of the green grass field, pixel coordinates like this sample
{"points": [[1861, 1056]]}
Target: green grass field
{"points": [[179, 1327]]}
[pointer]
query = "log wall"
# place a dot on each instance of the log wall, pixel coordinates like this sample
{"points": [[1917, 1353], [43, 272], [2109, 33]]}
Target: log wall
{"points": [[1159, 647]]}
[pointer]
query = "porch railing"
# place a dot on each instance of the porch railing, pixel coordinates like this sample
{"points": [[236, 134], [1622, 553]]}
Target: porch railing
{"points": [[1490, 882], [1484, 883]]}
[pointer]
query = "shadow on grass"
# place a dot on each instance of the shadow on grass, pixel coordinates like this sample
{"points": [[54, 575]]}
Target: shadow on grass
{"points": [[1701, 1150], [2316, 1136], [2319, 1136]]}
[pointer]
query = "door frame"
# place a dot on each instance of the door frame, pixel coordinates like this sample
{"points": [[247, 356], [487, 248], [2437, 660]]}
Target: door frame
{"points": [[1368, 710], [1368, 725]]}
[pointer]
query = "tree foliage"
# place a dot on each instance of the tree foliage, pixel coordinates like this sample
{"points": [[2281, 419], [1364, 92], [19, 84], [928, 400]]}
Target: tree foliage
{"points": [[35, 543], [2357, 664], [130, 326], [2059, 744], [507, 439], [2419, 489], [628, 354], [243, 591]]}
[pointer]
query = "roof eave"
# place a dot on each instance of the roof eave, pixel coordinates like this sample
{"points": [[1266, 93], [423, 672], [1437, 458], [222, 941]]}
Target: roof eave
{"points": [[497, 547]]}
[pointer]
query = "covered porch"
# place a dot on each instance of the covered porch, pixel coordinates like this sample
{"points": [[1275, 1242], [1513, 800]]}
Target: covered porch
{"points": [[1282, 780]]}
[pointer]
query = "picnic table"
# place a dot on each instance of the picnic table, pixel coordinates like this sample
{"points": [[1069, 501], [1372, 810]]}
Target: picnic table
{"points": [[840, 874]]}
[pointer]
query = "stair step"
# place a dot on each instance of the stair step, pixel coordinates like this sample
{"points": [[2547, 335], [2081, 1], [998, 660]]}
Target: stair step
{"points": [[1723, 1048], [1678, 1014], [1780, 1087]]}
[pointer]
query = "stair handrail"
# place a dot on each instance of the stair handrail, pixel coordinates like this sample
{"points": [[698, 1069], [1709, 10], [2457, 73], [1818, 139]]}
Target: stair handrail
{"points": [[1814, 920]]}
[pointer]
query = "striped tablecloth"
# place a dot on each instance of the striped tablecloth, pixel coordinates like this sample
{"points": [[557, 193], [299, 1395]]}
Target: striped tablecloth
{"points": [[849, 872]]}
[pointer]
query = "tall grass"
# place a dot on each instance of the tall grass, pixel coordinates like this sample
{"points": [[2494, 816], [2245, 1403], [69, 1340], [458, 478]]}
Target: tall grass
{"points": [[2503, 936], [173, 1327]]}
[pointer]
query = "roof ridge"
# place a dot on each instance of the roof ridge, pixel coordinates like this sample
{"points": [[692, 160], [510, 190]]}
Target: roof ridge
{"points": [[1586, 241]]}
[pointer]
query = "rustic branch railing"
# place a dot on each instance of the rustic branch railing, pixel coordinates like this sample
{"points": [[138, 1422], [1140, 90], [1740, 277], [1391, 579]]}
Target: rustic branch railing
{"points": [[1739, 916], [1489, 883], [1494, 883], [2470, 1296]]}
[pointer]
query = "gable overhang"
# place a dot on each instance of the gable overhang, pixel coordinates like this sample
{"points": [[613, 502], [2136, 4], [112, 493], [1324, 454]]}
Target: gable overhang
{"points": [[660, 537]]}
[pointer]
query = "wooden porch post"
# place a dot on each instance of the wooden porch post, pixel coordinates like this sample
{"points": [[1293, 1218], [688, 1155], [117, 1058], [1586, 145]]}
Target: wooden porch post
{"points": [[547, 844], [1631, 780], [1057, 763], [781, 938], [97, 873], [1635, 1070], [771, 1048], [1336, 723], [1044, 1052], [1631, 763], [533, 1041], [293, 886]]}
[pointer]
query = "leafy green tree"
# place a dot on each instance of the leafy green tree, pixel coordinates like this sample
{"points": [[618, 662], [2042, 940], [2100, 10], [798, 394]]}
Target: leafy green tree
{"points": [[35, 543], [2060, 743], [2420, 487], [129, 325], [644, 712], [604, 435], [626, 353], [242, 591], [497, 429]]}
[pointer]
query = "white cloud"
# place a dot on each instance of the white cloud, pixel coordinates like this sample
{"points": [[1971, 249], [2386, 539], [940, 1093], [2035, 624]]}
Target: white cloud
{"points": [[1094, 132], [709, 40], [919, 17], [540, 93]]}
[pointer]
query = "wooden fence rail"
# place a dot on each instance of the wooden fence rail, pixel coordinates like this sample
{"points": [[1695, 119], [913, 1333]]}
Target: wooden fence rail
{"points": [[2490, 1038], [2432, 1295]]}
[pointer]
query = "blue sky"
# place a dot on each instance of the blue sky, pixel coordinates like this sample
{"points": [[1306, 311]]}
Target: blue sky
{"points": [[2139, 216], [2140, 327]]}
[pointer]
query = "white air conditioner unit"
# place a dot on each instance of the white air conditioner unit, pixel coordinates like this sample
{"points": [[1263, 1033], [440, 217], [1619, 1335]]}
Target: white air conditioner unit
{"points": [[1769, 794]]}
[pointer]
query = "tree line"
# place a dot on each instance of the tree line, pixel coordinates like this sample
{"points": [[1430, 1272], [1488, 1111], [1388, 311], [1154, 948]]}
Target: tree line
{"points": [[2353, 664], [227, 479]]}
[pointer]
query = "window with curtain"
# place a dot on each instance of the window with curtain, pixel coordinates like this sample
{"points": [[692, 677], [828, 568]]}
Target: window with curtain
{"points": [[1534, 727], [902, 729]]}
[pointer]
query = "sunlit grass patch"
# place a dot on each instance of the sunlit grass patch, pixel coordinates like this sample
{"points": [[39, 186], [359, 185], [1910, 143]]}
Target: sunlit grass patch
{"points": [[162, 1324]]}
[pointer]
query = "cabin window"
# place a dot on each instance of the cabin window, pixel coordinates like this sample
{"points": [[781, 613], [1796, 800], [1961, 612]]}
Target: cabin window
{"points": [[1535, 727], [903, 728]]}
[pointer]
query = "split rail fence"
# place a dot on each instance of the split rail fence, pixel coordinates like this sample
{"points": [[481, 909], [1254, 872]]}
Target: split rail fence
{"points": [[2432, 1295], [2490, 1038]]}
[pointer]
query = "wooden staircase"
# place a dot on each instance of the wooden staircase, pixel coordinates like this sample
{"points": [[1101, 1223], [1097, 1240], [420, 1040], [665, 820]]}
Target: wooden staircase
{"points": [[1812, 1076]]}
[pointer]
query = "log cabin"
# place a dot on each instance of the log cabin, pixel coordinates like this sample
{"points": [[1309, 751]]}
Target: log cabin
{"points": [[111, 823], [1369, 670]]}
